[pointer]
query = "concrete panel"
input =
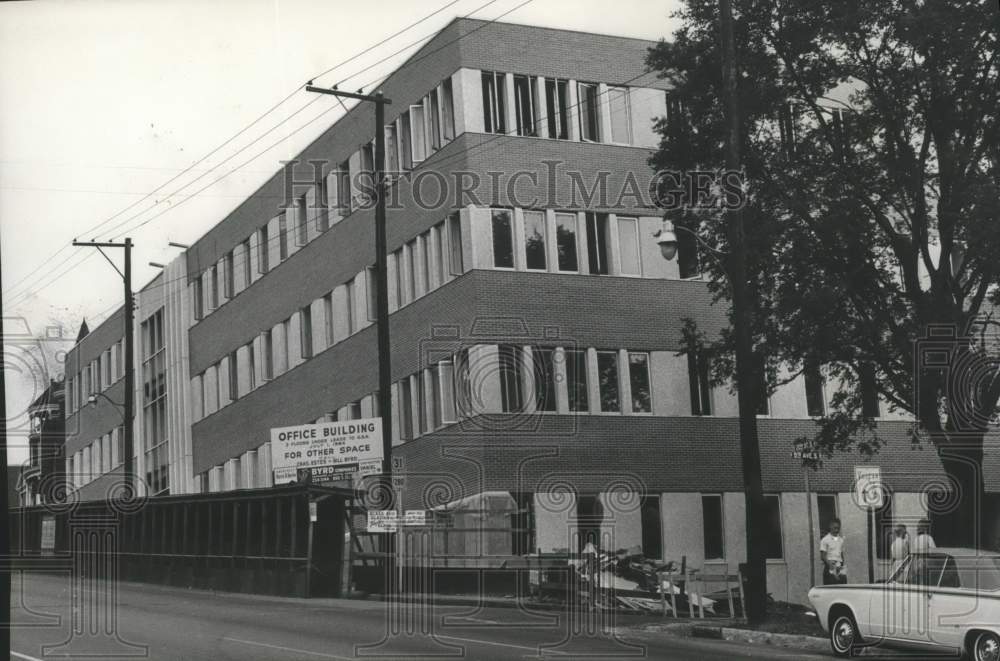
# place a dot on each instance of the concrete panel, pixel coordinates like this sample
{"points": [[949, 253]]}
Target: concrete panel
{"points": [[621, 527], [682, 528], [467, 90], [554, 517], [646, 106], [669, 382]]}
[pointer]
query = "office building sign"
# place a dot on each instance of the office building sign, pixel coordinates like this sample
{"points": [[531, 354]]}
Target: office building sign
{"points": [[326, 452]]}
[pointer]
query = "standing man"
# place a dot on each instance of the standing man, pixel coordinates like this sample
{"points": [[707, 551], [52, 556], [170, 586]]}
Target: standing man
{"points": [[831, 552], [924, 543], [900, 547]]}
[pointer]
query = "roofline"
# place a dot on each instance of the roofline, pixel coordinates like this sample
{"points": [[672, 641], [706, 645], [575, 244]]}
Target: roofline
{"points": [[545, 27]]}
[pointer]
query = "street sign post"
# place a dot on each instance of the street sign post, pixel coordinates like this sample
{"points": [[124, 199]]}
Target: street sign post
{"points": [[870, 496], [802, 454]]}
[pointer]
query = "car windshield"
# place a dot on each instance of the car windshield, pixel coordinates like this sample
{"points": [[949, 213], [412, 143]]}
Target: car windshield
{"points": [[980, 572]]}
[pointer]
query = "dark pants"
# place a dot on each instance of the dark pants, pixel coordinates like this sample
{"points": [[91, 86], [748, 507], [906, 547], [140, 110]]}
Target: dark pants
{"points": [[830, 579]]}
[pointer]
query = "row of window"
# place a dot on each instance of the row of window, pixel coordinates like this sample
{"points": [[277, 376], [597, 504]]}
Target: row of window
{"points": [[154, 403], [94, 460], [95, 377], [544, 107]]}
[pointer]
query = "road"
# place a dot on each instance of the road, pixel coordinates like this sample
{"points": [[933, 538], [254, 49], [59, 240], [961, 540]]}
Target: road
{"points": [[169, 624]]}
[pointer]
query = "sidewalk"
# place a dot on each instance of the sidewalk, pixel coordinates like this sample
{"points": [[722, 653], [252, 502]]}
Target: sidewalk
{"points": [[719, 631]]}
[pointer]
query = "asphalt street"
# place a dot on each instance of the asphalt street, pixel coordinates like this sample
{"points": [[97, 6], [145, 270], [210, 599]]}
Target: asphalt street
{"points": [[173, 624]]}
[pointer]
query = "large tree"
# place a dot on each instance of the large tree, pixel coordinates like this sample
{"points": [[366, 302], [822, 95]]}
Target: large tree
{"points": [[872, 159]]}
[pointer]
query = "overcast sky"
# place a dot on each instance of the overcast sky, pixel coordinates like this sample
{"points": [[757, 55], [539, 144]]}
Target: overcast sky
{"points": [[103, 102]]}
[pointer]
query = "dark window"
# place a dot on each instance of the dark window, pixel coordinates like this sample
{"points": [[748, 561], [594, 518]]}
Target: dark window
{"points": [[301, 221], [405, 141], [815, 401], [589, 126], [576, 379], [344, 185], [405, 410], [510, 378], [713, 525], [455, 244], [524, 104], [566, 241], [607, 379], [597, 242], [652, 528], [305, 332], [698, 381], [826, 508], [282, 238], [447, 110], [234, 377], [503, 239], [638, 370], [268, 351], [230, 275], [328, 318], [556, 100], [688, 256], [869, 394], [214, 282], [199, 299], [435, 120], [262, 249], [772, 520], [545, 378], [534, 239], [493, 102], [247, 266], [323, 202]]}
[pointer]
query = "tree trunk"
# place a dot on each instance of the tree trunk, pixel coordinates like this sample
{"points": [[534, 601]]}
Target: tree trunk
{"points": [[958, 515]]}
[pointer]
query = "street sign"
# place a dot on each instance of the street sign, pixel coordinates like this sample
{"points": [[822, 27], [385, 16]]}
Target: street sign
{"points": [[326, 452], [868, 490], [415, 518], [383, 521]]}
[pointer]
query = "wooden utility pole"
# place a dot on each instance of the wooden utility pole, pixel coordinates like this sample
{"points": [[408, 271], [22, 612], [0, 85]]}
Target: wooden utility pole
{"points": [[747, 373], [129, 404]]}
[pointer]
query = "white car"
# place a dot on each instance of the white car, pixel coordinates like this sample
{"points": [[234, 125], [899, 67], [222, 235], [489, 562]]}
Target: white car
{"points": [[947, 600]]}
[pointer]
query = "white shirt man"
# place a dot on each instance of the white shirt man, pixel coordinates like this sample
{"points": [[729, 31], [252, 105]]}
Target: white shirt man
{"points": [[923, 543], [831, 552]]}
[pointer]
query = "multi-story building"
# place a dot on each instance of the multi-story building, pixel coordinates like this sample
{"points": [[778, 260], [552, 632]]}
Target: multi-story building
{"points": [[536, 330], [41, 475]]}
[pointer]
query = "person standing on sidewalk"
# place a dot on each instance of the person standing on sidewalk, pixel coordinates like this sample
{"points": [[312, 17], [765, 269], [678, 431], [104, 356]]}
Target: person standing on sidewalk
{"points": [[831, 552], [924, 543], [900, 547]]}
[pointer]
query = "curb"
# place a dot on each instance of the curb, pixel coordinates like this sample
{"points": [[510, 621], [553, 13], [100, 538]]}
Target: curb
{"points": [[732, 634], [442, 600]]}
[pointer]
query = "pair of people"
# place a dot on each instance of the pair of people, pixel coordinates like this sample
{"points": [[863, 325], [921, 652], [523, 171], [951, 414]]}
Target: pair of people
{"points": [[831, 549]]}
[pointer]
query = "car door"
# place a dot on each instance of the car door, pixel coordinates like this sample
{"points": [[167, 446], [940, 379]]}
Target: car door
{"points": [[950, 606], [887, 605], [925, 574]]}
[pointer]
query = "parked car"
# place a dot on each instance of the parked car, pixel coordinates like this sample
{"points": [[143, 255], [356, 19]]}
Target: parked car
{"points": [[947, 600]]}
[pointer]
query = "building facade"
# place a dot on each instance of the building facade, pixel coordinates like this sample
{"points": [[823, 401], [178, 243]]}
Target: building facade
{"points": [[538, 379]]}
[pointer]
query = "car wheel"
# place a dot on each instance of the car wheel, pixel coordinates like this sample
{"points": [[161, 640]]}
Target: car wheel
{"points": [[986, 647], [844, 636]]}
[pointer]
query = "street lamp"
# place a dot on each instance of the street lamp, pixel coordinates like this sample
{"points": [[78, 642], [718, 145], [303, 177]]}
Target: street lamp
{"points": [[666, 237], [92, 400]]}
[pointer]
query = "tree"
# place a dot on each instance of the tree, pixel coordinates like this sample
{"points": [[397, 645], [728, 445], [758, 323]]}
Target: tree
{"points": [[871, 150]]}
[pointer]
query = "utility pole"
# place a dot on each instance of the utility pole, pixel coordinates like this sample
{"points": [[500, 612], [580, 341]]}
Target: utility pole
{"points": [[126, 274], [748, 385], [381, 270]]}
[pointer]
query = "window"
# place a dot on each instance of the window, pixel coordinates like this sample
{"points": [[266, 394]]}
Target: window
{"points": [[247, 265], [815, 400], [826, 509], [262, 249], [868, 392], [503, 239], [421, 422], [154, 402], [652, 527], [447, 110], [371, 300], [282, 238], [524, 104], [119, 360], [354, 410], [328, 318], [350, 296], [455, 244], [301, 221], [462, 384], [213, 280], [305, 332], [391, 148], [234, 376], [607, 380], [409, 252], [534, 239], [543, 362], [405, 141], [774, 548], [425, 262], [99, 373], [267, 346], [587, 100], [557, 102], [511, 396], [435, 119], [713, 525], [628, 246], [576, 379], [229, 275], [597, 242], [618, 107], [688, 256], [638, 370], [435, 397], [418, 142], [323, 205], [439, 257], [405, 409], [494, 102], [251, 367], [400, 278], [698, 382], [566, 242], [447, 370], [344, 185]]}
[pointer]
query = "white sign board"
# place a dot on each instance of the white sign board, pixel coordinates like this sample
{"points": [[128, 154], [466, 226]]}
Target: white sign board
{"points": [[383, 521], [326, 452], [415, 518], [868, 491]]}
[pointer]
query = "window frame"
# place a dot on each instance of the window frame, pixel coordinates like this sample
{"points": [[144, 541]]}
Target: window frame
{"points": [[495, 212], [720, 498], [536, 213]]}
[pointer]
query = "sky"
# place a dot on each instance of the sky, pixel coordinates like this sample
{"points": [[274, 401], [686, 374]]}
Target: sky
{"points": [[102, 104]]}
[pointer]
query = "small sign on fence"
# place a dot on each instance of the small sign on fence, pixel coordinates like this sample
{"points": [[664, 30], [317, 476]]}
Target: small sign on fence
{"points": [[383, 520]]}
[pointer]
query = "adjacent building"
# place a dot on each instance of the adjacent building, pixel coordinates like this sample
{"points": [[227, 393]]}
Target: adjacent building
{"points": [[539, 384]]}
